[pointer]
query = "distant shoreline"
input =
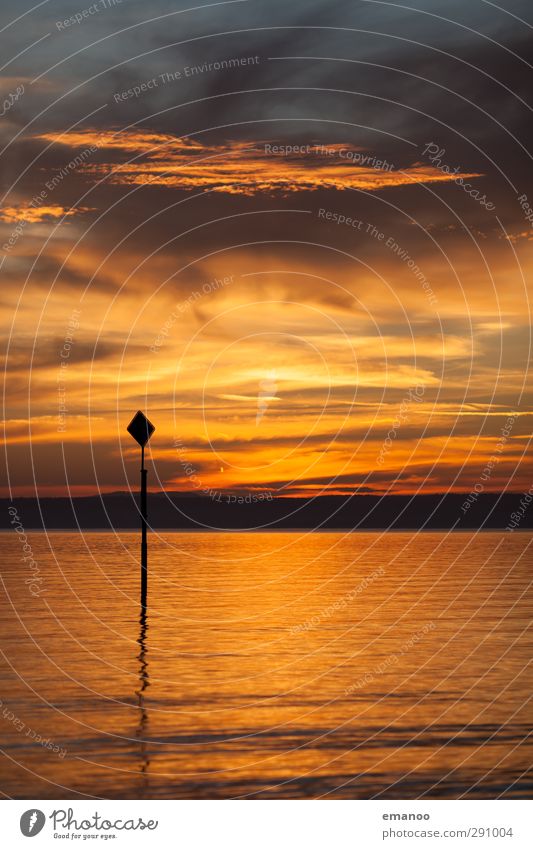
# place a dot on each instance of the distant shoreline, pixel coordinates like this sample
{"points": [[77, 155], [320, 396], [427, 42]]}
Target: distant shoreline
{"points": [[491, 530], [173, 512], [206, 531]]}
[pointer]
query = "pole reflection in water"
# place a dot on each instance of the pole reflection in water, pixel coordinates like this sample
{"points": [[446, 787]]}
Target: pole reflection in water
{"points": [[144, 683]]}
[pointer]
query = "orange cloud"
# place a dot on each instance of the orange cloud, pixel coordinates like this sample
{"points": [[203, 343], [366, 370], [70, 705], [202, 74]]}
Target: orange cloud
{"points": [[244, 167], [33, 215]]}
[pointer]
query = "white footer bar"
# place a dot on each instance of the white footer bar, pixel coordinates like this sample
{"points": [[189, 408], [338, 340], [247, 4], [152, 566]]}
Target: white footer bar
{"points": [[269, 824]]}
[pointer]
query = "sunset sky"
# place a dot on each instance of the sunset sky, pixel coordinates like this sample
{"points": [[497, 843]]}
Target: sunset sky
{"points": [[229, 217]]}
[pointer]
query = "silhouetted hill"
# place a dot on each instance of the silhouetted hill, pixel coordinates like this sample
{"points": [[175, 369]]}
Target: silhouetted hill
{"points": [[174, 510]]}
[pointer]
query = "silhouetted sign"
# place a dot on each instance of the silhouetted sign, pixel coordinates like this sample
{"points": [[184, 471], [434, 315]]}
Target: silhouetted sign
{"points": [[141, 428]]}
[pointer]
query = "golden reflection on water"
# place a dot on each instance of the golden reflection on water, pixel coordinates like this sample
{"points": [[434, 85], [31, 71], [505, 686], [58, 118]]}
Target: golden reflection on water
{"points": [[268, 664]]}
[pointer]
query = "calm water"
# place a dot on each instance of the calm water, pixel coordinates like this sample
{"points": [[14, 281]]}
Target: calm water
{"points": [[269, 665]]}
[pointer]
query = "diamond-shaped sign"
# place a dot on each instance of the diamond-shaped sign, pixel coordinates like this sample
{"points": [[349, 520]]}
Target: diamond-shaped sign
{"points": [[141, 428]]}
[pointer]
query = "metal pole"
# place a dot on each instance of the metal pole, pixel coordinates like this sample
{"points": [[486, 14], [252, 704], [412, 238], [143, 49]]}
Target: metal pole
{"points": [[144, 545]]}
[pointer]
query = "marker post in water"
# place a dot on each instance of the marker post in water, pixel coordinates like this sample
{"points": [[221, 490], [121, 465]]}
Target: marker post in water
{"points": [[141, 429]]}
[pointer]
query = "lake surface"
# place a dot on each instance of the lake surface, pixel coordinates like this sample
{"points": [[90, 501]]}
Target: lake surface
{"points": [[385, 665]]}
